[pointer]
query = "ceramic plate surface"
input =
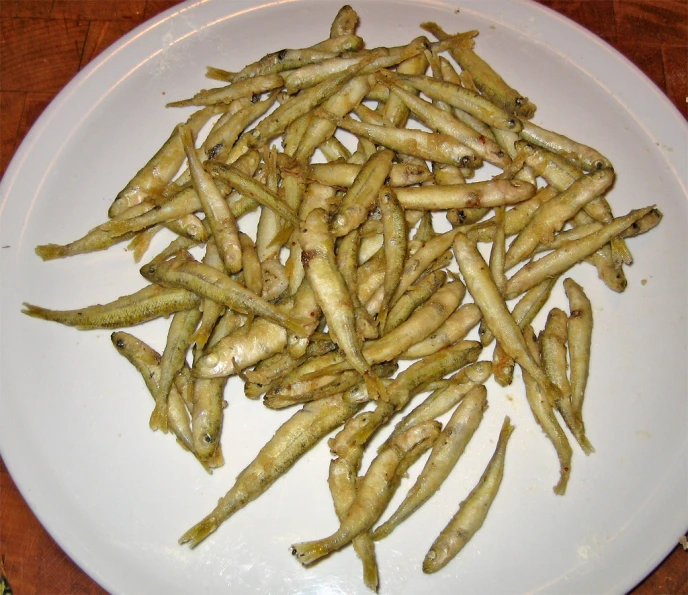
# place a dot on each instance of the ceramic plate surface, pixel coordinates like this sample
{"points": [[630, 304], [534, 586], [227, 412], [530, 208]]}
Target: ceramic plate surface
{"points": [[116, 496]]}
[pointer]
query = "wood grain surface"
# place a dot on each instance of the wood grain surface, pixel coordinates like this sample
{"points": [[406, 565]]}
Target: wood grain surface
{"points": [[45, 43]]}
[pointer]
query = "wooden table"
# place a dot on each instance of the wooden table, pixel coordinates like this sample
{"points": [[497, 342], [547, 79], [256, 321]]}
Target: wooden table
{"points": [[44, 43]]}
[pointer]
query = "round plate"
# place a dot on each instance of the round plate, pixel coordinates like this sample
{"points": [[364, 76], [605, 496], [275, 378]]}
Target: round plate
{"points": [[116, 496]]}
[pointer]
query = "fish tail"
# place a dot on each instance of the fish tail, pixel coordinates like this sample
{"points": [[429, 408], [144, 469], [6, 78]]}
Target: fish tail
{"points": [[310, 551], [181, 103], [38, 312], [575, 424], [52, 251], [65, 317], [382, 531], [200, 337], [218, 74], [185, 136], [158, 419], [365, 550], [200, 531], [375, 387], [282, 236], [141, 242], [585, 444], [377, 418], [299, 326], [560, 488]]}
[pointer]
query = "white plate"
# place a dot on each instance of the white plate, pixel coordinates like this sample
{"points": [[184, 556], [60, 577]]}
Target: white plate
{"points": [[73, 414]]}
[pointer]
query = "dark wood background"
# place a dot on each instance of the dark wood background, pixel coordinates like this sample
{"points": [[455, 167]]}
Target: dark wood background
{"points": [[44, 43]]}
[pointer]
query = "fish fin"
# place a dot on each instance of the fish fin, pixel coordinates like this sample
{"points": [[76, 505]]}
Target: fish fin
{"points": [[246, 327], [238, 371]]}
